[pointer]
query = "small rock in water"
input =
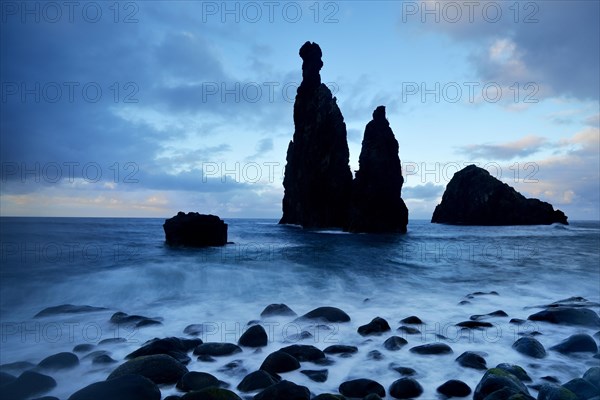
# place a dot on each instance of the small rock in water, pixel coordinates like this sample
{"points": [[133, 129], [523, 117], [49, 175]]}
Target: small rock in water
{"points": [[579, 343], [412, 320], [548, 378], [329, 396], [340, 349], [217, 349], [277, 310], [517, 321], [172, 346], [284, 390], [406, 371], [194, 329], [103, 359], [6, 378], [233, 368], [498, 313], [197, 381], [319, 375], [409, 330], [361, 388], [550, 391], [17, 367], [592, 375], [278, 362], [255, 336], [257, 380], [474, 324], [375, 355], [568, 316], [454, 388], [195, 230], [27, 385], [159, 368], [495, 380], [516, 370], [394, 343], [211, 393], [432, 348], [129, 387], [530, 347], [582, 388], [108, 341], [64, 360], [377, 326], [469, 359], [67, 309], [302, 352], [83, 348], [329, 314], [139, 321], [405, 388]]}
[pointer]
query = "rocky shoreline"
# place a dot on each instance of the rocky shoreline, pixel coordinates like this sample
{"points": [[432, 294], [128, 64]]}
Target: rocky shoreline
{"points": [[162, 367]]}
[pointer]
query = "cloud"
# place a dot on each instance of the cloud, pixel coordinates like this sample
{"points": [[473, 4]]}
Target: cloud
{"points": [[523, 147], [428, 191]]}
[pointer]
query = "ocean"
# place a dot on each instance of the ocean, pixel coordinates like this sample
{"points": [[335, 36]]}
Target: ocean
{"points": [[442, 274]]}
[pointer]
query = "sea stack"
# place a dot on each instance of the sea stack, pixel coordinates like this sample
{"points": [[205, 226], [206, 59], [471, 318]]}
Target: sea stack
{"points": [[318, 181], [474, 197], [195, 230], [376, 202]]}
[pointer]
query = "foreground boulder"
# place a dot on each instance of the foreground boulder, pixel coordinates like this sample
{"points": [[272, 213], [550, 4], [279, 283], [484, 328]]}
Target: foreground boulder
{"points": [[195, 230], [474, 197], [568, 316], [284, 390], [497, 380], [159, 368], [376, 202], [318, 181], [129, 387], [28, 384], [361, 388]]}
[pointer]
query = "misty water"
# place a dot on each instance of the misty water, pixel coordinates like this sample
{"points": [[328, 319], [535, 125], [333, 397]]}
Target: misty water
{"points": [[124, 265]]}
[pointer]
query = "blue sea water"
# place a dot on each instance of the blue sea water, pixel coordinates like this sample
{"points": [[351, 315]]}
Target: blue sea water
{"points": [[124, 265]]}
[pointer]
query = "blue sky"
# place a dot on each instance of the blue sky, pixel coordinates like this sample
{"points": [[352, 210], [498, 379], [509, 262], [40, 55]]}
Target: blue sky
{"points": [[148, 108]]}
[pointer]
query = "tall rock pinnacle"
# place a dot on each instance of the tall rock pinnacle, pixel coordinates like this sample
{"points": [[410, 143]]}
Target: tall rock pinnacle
{"points": [[318, 180]]}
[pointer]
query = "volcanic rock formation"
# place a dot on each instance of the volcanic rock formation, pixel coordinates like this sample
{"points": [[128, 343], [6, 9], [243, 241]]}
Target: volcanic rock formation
{"points": [[195, 230]]}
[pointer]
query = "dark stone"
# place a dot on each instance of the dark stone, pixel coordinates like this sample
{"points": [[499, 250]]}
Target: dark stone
{"points": [[46, 398], [211, 393], [340, 349], [27, 385], [432, 348], [495, 380], [280, 361], [413, 320], [579, 343], [548, 378], [6, 378], [103, 359], [376, 203], [375, 355], [255, 336], [517, 321], [409, 330], [233, 368], [530, 347], [319, 375], [474, 197], [129, 387], [302, 352], [405, 388], [195, 230], [551, 391], [295, 337], [592, 375], [67, 309], [474, 324], [64, 360], [516, 370], [172, 346], [582, 388], [159, 368], [277, 310], [361, 388], [139, 321], [498, 313], [206, 358], [406, 371], [94, 354], [217, 349], [454, 388], [574, 301], [318, 181], [172, 397], [468, 359], [329, 396], [568, 316], [257, 380], [194, 380], [17, 367], [83, 348], [394, 343], [108, 341], [194, 329], [377, 326], [284, 390], [329, 314]]}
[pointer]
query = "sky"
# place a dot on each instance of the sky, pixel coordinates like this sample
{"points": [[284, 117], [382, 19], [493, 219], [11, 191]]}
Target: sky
{"points": [[144, 109]]}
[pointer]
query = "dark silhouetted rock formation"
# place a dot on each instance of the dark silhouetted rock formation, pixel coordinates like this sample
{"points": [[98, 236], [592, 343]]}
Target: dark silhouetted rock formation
{"points": [[376, 202], [318, 180], [195, 230], [474, 197]]}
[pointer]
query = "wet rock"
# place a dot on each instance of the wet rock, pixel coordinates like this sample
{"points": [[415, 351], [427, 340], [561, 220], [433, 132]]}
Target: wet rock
{"points": [[582, 388], [67, 309], [296, 337], [568, 316], [498, 313], [432, 348], [159, 368], [579, 343], [129, 387], [329, 314], [27, 385], [474, 197], [284, 390], [16, 367], [172, 346], [280, 361], [217, 349], [206, 358], [273, 310], [361, 388], [405, 388], [103, 359], [64, 360], [233, 368], [6, 378], [376, 204], [109, 341], [211, 393], [302, 352], [195, 230], [405, 371], [340, 349], [474, 324], [317, 181], [194, 380], [516, 370], [394, 343], [377, 326], [548, 378], [412, 320], [574, 301], [495, 380], [194, 329], [517, 321], [469, 359], [318, 375], [329, 396], [551, 391], [592, 375], [83, 348], [454, 388], [255, 336], [257, 380], [530, 347], [139, 321], [409, 330], [375, 355]]}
